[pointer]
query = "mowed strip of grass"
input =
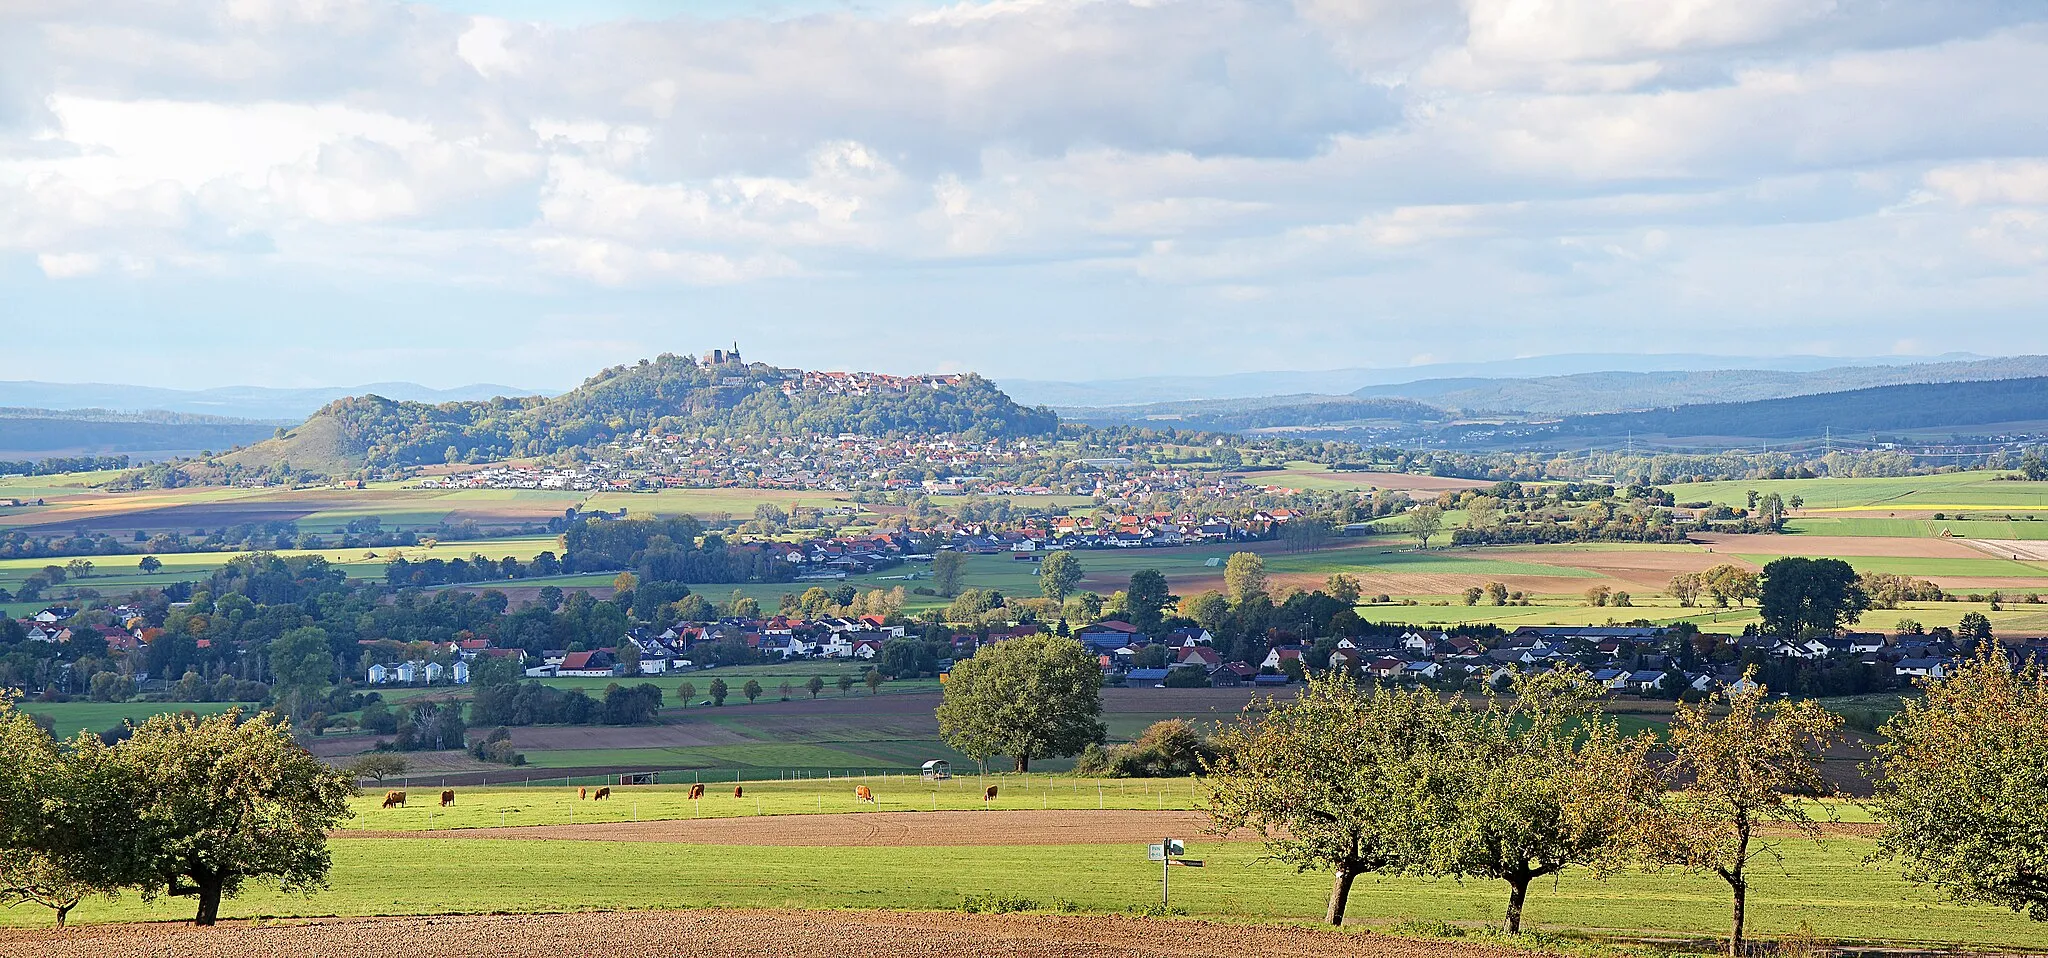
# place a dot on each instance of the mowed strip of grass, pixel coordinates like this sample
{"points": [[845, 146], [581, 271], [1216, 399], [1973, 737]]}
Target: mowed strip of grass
{"points": [[1829, 888], [895, 792]]}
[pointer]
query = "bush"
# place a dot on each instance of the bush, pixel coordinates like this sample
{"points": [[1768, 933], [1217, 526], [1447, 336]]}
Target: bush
{"points": [[1155, 910], [1425, 928], [993, 904], [1169, 749]]}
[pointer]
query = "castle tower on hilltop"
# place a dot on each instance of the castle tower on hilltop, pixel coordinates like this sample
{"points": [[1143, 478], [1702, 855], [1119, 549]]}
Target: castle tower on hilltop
{"points": [[719, 357]]}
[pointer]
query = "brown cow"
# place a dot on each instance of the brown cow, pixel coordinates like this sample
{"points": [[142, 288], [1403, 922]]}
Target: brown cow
{"points": [[696, 792], [861, 792], [988, 794], [601, 793], [739, 791], [394, 798], [447, 797]]}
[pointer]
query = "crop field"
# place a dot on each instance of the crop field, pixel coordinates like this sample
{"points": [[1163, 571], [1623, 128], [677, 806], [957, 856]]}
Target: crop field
{"points": [[1309, 475], [401, 876], [727, 932], [1915, 494]]}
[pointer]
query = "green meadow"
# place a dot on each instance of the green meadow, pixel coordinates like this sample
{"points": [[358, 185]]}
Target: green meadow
{"points": [[1981, 489], [1828, 888]]}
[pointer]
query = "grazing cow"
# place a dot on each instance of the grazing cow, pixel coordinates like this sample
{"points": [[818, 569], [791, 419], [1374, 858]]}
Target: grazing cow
{"points": [[447, 797], [394, 799], [861, 792], [582, 793], [739, 791], [988, 794], [696, 792], [601, 793]]}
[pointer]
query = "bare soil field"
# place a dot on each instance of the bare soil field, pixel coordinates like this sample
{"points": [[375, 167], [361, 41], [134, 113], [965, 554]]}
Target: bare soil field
{"points": [[1876, 546], [795, 934], [2031, 551], [908, 829]]}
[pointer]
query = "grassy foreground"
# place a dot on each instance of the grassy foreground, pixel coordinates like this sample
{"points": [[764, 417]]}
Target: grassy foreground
{"points": [[1829, 888]]}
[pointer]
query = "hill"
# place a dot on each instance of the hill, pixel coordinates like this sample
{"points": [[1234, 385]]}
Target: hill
{"points": [[248, 402], [1623, 391], [1273, 412], [33, 434], [670, 394], [1942, 408]]}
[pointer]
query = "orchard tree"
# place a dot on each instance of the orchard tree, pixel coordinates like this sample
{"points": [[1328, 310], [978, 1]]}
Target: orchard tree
{"points": [[1539, 784], [752, 690], [718, 691], [1344, 587], [685, 692], [1742, 774], [1339, 777], [150, 565], [1058, 574], [815, 685], [222, 801], [845, 683], [1031, 697], [1961, 783], [947, 567]]}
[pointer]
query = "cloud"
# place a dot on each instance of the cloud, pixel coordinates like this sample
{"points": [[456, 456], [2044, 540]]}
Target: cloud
{"points": [[1369, 170]]}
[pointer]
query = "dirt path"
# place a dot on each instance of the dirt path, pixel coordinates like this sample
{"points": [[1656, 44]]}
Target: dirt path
{"points": [[797, 934], [921, 829]]}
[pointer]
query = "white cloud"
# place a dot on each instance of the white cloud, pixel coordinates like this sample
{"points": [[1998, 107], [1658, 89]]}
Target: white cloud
{"points": [[1362, 167]]}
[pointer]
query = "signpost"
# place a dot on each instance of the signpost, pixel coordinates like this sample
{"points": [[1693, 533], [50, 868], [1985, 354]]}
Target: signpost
{"points": [[1168, 854]]}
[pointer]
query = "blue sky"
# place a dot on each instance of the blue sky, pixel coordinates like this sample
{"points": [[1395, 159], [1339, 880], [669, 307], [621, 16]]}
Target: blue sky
{"points": [[299, 192]]}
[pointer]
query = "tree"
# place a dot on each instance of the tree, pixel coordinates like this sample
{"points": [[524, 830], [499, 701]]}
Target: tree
{"points": [[219, 801], [302, 663], [718, 691], [1729, 582], [1244, 577], [1424, 522], [149, 565], [1030, 697], [1741, 773], [625, 582], [752, 690], [32, 773], [1539, 785], [1208, 609], [874, 679], [377, 767], [79, 568], [1472, 595], [627, 655], [1336, 778], [685, 692], [1344, 587], [1803, 596], [845, 683], [1960, 778], [1974, 625], [946, 570], [1058, 573], [1685, 587], [787, 688], [814, 686], [1497, 593], [1144, 599]]}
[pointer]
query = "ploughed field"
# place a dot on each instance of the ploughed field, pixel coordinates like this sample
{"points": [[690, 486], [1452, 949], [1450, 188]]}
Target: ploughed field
{"points": [[793, 933]]}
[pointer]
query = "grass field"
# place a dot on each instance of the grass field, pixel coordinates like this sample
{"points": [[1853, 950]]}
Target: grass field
{"points": [[71, 717], [115, 575], [2027, 526], [1828, 888], [1951, 491]]}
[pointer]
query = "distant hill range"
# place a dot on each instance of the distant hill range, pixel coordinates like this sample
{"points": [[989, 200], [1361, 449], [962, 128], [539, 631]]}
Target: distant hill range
{"points": [[1270, 412], [1606, 392], [241, 402], [1407, 382], [1923, 408], [36, 434], [671, 394]]}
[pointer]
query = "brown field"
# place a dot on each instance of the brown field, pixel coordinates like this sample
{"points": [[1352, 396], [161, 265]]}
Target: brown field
{"points": [[1803, 545], [794, 934], [911, 829]]}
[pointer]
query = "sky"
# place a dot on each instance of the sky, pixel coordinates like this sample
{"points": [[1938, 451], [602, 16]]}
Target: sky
{"points": [[313, 192]]}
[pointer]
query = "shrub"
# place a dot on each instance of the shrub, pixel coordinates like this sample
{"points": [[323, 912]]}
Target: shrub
{"points": [[994, 904]]}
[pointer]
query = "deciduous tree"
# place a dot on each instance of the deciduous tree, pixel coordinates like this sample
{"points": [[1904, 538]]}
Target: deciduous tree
{"points": [[1961, 783], [1058, 574], [1742, 773], [1030, 697], [947, 567], [1802, 596], [1424, 522], [1244, 577], [1338, 778]]}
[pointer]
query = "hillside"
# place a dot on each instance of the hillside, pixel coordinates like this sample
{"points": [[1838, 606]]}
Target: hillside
{"points": [[1957, 407], [1237, 415], [671, 394], [27, 434], [1624, 391]]}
